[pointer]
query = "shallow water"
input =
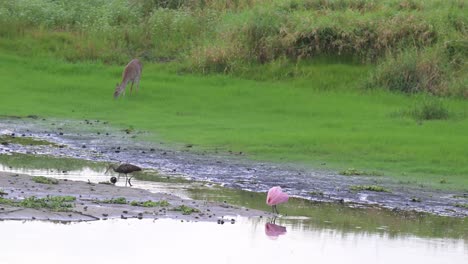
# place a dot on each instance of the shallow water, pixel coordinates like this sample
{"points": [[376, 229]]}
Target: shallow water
{"points": [[309, 231], [345, 218], [246, 241]]}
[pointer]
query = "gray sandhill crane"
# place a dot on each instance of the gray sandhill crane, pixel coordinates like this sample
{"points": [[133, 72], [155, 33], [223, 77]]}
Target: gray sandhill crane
{"points": [[132, 72], [124, 168]]}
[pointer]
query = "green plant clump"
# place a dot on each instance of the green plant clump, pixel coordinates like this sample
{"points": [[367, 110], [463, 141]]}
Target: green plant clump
{"points": [[45, 180], [149, 203], [431, 110], [9, 139], [186, 210], [53, 203], [373, 188], [356, 172], [118, 200]]}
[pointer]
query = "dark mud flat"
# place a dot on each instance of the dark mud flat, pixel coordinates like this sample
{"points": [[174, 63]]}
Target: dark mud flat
{"points": [[94, 140], [89, 204]]}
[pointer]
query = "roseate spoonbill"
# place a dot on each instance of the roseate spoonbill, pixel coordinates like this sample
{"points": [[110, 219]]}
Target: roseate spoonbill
{"points": [[125, 169], [276, 196]]}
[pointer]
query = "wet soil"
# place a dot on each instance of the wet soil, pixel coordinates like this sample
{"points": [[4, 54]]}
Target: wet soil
{"points": [[98, 141], [89, 203]]}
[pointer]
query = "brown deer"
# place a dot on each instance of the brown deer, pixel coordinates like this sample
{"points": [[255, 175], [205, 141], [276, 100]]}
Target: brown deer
{"points": [[132, 72]]}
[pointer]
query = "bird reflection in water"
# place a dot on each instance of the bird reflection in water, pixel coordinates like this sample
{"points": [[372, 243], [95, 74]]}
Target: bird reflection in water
{"points": [[273, 231]]}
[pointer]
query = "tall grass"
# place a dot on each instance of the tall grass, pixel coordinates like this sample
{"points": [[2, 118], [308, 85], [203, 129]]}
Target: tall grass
{"points": [[428, 37]]}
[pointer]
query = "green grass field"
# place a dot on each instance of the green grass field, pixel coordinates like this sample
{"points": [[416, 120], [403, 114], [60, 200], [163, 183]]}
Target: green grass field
{"points": [[324, 117]]}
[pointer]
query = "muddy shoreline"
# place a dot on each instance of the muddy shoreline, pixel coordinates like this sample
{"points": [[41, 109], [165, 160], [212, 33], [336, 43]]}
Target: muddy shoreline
{"points": [[89, 204], [98, 141]]}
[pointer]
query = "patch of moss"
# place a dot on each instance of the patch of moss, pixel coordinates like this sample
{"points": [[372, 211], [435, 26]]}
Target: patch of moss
{"points": [[53, 203], [6, 201], [118, 200], [149, 203], [356, 172], [464, 205], [27, 141], [186, 210], [373, 188], [44, 180]]}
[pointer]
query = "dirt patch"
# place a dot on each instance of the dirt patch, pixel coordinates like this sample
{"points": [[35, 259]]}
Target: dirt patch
{"points": [[106, 201]]}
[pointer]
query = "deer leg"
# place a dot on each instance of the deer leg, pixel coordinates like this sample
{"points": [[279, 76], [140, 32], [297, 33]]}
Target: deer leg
{"points": [[137, 85], [131, 87]]}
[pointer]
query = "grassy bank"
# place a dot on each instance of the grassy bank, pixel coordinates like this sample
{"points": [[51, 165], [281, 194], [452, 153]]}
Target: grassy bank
{"points": [[418, 45], [322, 121]]}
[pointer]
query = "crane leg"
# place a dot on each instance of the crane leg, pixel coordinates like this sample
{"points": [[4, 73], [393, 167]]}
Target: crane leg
{"points": [[129, 181]]}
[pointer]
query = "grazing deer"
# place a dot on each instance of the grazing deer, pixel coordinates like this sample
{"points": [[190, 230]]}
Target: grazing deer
{"points": [[132, 72]]}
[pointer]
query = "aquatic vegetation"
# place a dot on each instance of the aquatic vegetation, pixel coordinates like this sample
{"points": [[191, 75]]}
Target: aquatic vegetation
{"points": [[373, 188], [149, 203], [6, 201], [29, 161], [45, 180], [53, 203], [186, 210], [118, 200], [464, 205], [23, 140]]}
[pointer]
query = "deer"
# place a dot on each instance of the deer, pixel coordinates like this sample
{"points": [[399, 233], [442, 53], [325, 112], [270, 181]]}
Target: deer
{"points": [[132, 72]]}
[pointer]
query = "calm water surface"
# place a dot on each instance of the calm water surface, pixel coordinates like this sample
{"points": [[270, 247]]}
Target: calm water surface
{"points": [[246, 241]]}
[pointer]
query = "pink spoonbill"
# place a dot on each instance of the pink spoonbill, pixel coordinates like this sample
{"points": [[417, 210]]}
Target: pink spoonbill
{"points": [[276, 196]]}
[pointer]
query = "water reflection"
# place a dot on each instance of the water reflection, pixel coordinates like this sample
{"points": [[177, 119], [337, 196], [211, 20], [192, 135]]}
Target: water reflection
{"points": [[273, 231], [172, 241]]}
